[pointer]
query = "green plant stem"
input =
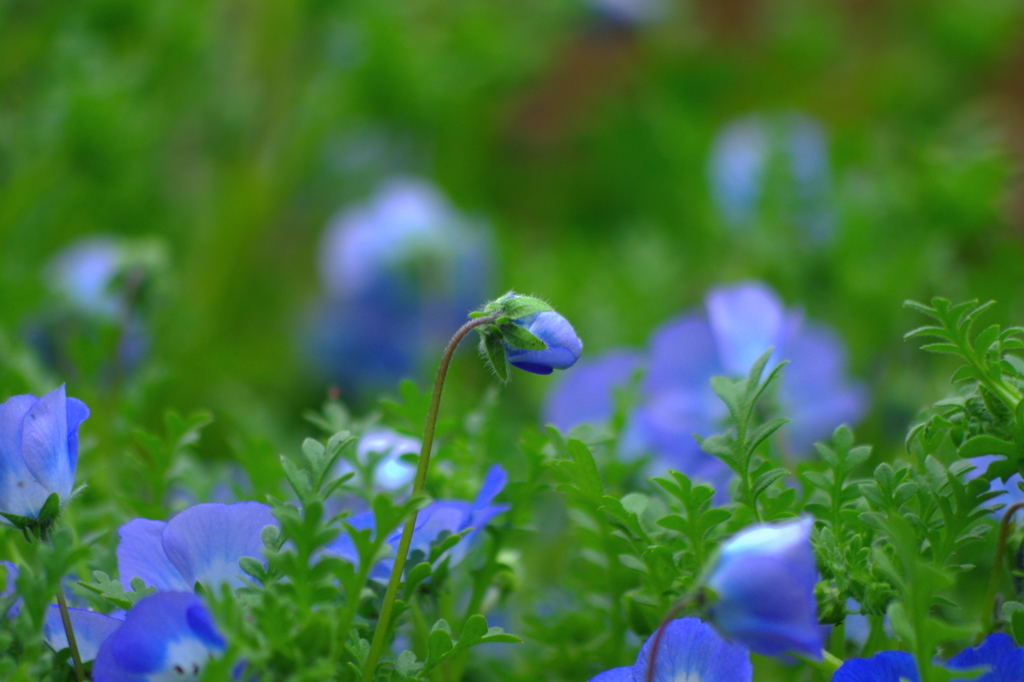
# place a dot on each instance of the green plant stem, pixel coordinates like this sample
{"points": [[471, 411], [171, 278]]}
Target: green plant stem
{"points": [[72, 643], [383, 623], [988, 616]]}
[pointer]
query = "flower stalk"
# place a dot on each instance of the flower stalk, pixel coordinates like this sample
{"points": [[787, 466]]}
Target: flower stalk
{"points": [[65, 617], [383, 622]]}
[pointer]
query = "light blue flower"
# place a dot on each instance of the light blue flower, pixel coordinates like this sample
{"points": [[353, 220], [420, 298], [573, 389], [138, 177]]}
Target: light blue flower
{"points": [[91, 629], [784, 157], [998, 653], [84, 275], [1010, 492], [738, 324], [690, 651], [202, 544], [763, 581], [444, 517], [563, 346], [38, 450], [166, 636], [400, 272], [391, 472]]}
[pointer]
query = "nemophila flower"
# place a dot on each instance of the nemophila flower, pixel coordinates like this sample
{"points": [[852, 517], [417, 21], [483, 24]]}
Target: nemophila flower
{"points": [[399, 273], [166, 636], [690, 651], [739, 322], [763, 580], [1010, 492], [200, 545], [783, 159], [391, 472], [38, 450], [434, 522], [1002, 659], [563, 346], [90, 627]]}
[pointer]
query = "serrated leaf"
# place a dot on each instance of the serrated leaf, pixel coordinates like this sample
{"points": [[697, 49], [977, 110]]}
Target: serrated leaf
{"points": [[947, 348]]}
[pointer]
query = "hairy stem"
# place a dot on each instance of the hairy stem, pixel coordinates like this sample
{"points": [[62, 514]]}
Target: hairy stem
{"points": [[69, 631], [384, 622], [988, 615]]}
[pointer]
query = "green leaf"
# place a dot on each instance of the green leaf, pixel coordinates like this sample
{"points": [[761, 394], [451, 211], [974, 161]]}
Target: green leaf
{"points": [[987, 445], [521, 306], [50, 511], [518, 336], [494, 351]]}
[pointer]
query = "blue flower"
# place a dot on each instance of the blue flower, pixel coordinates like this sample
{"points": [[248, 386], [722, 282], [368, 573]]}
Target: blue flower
{"points": [[763, 582], [200, 545], [785, 157], [169, 635], [563, 346], [91, 629], [400, 272], [690, 651], [444, 517], [738, 324], [998, 653], [1010, 492], [38, 450], [391, 471]]}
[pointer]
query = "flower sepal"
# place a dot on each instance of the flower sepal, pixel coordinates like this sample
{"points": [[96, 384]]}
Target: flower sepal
{"points": [[38, 528]]}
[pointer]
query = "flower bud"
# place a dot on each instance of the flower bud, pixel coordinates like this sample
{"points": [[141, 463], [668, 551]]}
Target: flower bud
{"points": [[764, 581]]}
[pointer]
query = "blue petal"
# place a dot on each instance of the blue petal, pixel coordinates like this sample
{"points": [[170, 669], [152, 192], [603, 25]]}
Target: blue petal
{"points": [[206, 541], [739, 155], [764, 580], [493, 484], [563, 350], [1004, 660], [587, 394], [77, 413], [887, 666], [624, 674], [746, 320], [44, 444], [814, 391], [141, 554], [683, 356], [692, 650], [20, 492], [163, 633], [11, 578], [91, 630]]}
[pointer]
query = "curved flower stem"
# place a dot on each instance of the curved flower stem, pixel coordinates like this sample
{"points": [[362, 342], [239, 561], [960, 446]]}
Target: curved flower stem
{"points": [[72, 643], [993, 585], [659, 634], [383, 622]]}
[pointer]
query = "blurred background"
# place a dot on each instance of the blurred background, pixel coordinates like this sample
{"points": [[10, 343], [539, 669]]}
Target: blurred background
{"points": [[283, 201]]}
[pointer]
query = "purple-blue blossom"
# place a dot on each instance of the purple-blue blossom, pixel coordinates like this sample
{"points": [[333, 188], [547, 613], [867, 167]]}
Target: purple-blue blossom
{"points": [[739, 323], [166, 636], [763, 582], [690, 651], [448, 517], [563, 346], [202, 544], [399, 272], [391, 472], [1002, 659], [38, 450], [782, 158], [1010, 492]]}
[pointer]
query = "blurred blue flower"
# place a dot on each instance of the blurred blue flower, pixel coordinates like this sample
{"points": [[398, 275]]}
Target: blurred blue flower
{"points": [[690, 651], [168, 635], [400, 273], [91, 629], [84, 274], [200, 545], [629, 13], [1010, 492], [763, 580], [434, 522], [391, 472], [751, 153], [738, 324], [998, 653], [563, 350], [38, 450]]}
